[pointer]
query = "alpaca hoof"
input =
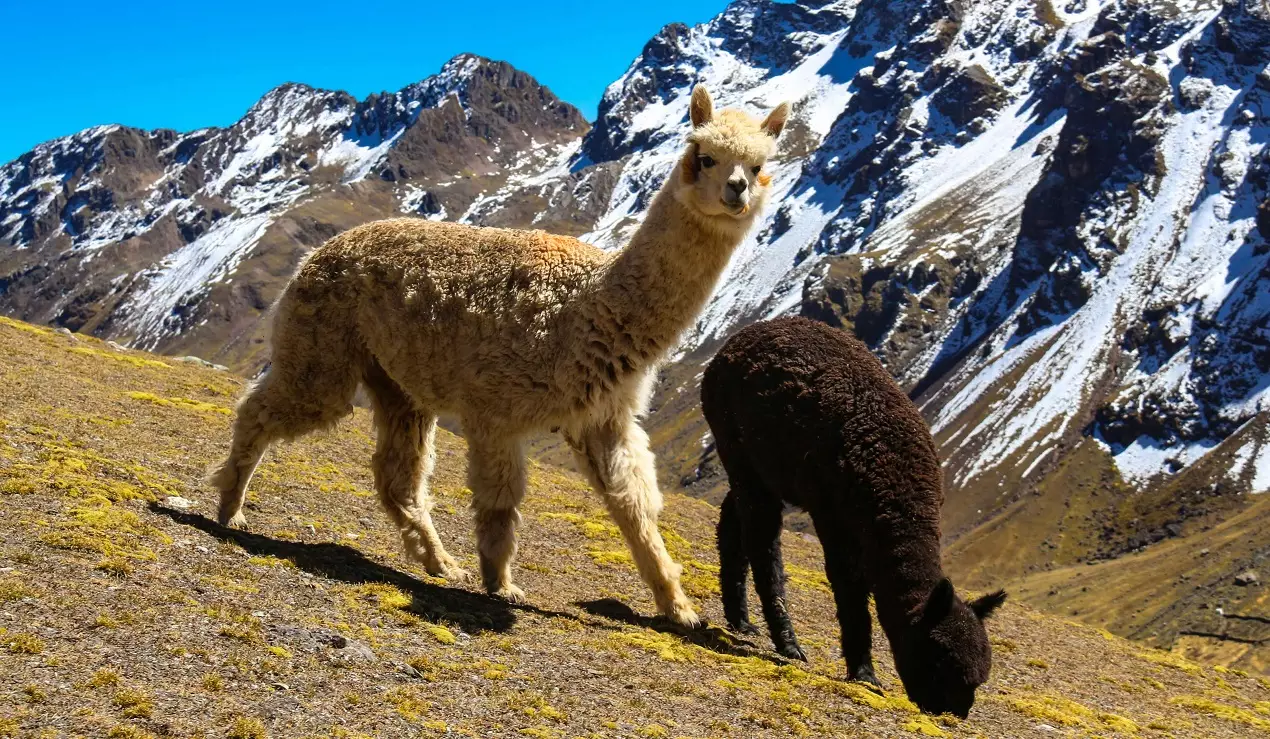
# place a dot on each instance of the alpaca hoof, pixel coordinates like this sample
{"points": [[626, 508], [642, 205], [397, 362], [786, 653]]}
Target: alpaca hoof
{"points": [[791, 651], [868, 679], [682, 614], [453, 574], [509, 593], [236, 521], [447, 568], [744, 627]]}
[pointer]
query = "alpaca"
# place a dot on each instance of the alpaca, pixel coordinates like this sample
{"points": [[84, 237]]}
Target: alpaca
{"points": [[511, 332], [804, 414]]}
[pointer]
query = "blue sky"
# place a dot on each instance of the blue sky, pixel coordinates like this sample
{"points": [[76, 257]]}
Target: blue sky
{"points": [[74, 64]]}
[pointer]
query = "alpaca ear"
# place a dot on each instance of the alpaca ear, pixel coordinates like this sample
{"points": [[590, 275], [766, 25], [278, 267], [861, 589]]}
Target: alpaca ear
{"points": [[939, 603], [774, 123], [983, 607], [701, 110]]}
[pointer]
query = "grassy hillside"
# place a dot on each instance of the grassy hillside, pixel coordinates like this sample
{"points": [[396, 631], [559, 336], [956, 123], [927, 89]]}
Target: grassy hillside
{"points": [[126, 612]]}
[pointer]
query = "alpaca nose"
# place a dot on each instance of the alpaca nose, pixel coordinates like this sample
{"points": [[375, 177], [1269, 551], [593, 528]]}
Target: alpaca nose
{"points": [[738, 186]]}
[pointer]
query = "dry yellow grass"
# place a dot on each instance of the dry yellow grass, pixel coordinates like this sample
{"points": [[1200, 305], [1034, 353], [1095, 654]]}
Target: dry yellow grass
{"points": [[126, 616]]}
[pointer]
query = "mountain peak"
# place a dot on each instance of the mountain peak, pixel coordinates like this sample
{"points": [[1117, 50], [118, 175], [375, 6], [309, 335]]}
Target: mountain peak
{"points": [[463, 64]]}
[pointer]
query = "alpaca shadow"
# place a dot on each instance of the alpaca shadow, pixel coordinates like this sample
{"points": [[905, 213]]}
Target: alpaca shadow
{"points": [[707, 636], [472, 612]]}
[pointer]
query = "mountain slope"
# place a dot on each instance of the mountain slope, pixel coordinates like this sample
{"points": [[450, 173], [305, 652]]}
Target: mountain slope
{"points": [[125, 612], [1050, 220]]}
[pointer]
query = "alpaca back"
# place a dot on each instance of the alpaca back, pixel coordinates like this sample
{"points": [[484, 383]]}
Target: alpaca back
{"points": [[823, 424], [457, 315]]}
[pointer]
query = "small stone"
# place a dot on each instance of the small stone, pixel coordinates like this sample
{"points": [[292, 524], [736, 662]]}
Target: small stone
{"points": [[201, 549], [1247, 577], [116, 346], [1045, 727], [176, 501], [355, 651], [1203, 552], [411, 671]]}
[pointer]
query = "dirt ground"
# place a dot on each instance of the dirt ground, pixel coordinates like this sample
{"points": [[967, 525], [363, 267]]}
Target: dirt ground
{"points": [[125, 611]]}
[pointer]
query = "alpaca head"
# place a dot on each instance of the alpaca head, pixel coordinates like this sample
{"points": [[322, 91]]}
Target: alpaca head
{"points": [[722, 173], [944, 655]]}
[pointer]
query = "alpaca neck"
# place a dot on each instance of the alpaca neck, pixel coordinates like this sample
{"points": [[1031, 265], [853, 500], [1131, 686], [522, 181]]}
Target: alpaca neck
{"points": [[654, 288], [910, 559]]}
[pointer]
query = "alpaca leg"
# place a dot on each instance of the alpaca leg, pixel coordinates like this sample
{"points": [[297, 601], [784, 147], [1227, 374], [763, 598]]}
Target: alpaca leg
{"points": [[851, 595], [616, 458], [497, 476], [761, 519], [403, 461], [273, 409], [733, 566], [312, 376]]}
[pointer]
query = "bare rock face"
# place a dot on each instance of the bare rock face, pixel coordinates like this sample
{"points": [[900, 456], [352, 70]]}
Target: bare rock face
{"points": [[969, 93]]}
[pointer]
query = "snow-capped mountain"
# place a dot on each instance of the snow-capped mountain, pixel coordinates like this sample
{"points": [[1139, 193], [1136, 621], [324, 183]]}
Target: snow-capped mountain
{"points": [[1049, 218], [180, 240]]}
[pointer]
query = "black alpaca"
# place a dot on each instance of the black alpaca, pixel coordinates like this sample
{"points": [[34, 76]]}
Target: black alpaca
{"points": [[804, 414]]}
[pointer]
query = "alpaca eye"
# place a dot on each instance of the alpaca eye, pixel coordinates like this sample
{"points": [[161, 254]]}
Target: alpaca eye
{"points": [[756, 169], [706, 162]]}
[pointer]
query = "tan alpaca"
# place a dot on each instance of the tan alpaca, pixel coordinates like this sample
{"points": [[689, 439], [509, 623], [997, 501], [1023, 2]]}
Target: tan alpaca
{"points": [[512, 332]]}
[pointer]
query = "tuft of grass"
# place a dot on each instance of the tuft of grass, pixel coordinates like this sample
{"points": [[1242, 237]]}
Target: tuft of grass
{"points": [[117, 566], [1210, 707], [104, 622], [103, 678], [441, 634], [213, 683], [1052, 709], [24, 643], [243, 632], [611, 557], [102, 527], [1038, 663], [124, 358], [269, 561], [35, 694], [12, 589], [1169, 659], [247, 728], [923, 725], [135, 703], [182, 403], [408, 703]]}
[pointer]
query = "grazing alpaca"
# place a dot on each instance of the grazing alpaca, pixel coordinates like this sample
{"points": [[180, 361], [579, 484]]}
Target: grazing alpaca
{"points": [[804, 414], [512, 332]]}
